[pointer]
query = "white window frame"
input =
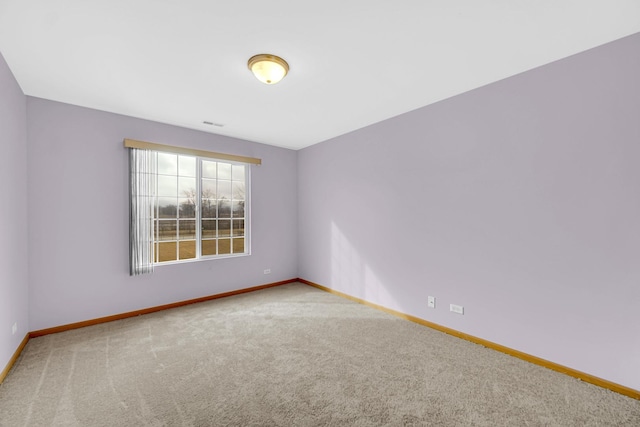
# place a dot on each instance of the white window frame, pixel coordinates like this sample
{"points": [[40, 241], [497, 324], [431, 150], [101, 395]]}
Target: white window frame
{"points": [[198, 216]]}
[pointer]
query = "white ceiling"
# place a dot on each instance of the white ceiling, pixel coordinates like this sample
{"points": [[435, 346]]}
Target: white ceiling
{"points": [[353, 62]]}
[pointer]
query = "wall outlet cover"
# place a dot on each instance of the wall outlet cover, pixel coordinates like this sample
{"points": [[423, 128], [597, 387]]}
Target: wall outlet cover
{"points": [[456, 308], [431, 302]]}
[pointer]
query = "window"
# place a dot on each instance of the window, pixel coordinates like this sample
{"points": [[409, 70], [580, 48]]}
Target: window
{"points": [[185, 204], [199, 209]]}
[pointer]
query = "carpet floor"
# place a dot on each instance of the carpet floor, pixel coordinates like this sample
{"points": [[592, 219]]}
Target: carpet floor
{"points": [[288, 356]]}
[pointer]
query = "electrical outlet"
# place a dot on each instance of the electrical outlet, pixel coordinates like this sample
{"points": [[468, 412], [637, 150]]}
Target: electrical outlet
{"points": [[14, 328], [431, 302], [267, 271], [456, 308]]}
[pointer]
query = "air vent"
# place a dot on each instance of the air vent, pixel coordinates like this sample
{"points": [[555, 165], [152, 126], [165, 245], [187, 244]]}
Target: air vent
{"points": [[212, 124]]}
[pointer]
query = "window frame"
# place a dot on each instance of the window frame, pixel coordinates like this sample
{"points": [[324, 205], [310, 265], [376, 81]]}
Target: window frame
{"points": [[199, 215]]}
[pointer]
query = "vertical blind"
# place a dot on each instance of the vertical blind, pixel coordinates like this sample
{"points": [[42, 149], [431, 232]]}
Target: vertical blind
{"points": [[141, 229]]}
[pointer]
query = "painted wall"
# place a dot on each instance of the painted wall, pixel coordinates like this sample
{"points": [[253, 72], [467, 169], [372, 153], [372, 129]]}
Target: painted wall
{"points": [[78, 217], [14, 296], [519, 201]]}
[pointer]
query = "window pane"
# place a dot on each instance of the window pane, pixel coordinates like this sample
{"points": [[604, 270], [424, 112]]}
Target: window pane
{"points": [[187, 229], [224, 171], [238, 228], [187, 208], [208, 208], [154, 210], [224, 246], [224, 209], [167, 185], [187, 249], [186, 187], [167, 207], [209, 228], [238, 190], [238, 173], [238, 209], [224, 228], [221, 207], [224, 190], [208, 188], [167, 164], [186, 166], [167, 251], [208, 169], [238, 246], [167, 230], [208, 247]]}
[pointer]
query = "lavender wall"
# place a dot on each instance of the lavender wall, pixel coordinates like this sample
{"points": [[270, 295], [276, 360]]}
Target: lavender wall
{"points": [[518, 201], [78, 217], [14, 296]]}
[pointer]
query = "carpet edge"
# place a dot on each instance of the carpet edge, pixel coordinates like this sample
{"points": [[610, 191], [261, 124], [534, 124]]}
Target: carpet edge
{"points": [[583, 376], [99, 320]]}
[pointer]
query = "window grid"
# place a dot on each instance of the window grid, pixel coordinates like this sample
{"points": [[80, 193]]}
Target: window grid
{"points": [[206, 219]]}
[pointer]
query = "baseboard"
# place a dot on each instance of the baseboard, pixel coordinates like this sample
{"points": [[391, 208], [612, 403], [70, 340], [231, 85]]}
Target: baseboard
{"points": [[97, 321], [635, 394], [13, 359], [135, 313], [588, 378]]}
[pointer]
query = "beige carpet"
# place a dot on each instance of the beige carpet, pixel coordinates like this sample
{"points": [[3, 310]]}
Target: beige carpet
{"points": [[288, 356]]}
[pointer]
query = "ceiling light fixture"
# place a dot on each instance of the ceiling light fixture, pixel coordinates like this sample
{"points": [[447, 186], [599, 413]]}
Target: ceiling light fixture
{"points": [[269, 69]]}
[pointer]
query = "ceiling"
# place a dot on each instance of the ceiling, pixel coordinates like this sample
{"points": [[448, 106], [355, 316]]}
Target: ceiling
{"points": [[353, 62]]}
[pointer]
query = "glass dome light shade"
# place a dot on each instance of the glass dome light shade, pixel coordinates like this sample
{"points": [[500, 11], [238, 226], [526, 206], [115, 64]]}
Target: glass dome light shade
{"points": [[269, 69]]}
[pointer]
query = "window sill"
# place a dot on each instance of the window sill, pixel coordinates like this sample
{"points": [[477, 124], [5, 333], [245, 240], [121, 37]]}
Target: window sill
{"points": [[206, 258]]}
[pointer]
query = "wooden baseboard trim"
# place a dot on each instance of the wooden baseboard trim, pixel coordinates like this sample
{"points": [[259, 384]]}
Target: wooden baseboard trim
{"points": [[70, 326], [635, 394], [13, 359]]}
